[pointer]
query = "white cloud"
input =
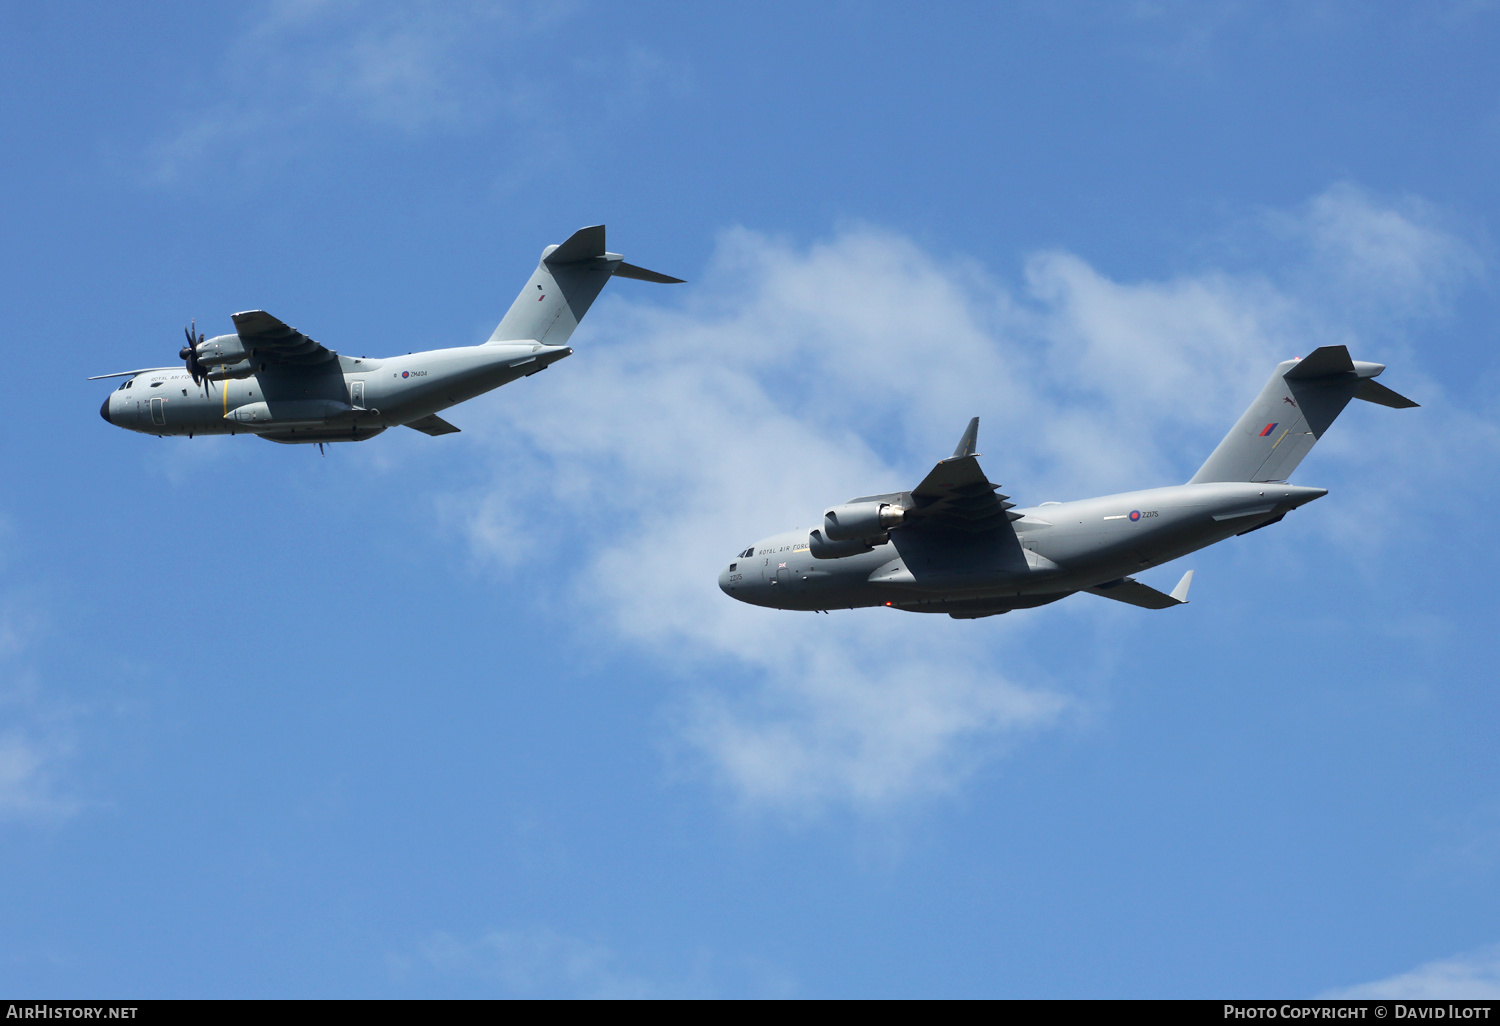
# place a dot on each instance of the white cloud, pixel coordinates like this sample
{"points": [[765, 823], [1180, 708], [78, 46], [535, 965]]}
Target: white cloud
{"points": [[1474, 976], [1371, 259], [797, 376]]}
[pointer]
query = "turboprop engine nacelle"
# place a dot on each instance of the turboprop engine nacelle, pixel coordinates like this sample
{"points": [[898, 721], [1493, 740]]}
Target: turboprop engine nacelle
{"points": [[222, 349], [858, 520], [243, 369]]}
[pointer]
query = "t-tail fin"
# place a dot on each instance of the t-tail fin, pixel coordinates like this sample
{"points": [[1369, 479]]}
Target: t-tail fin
{"points": [[1294, 409], [562, 289]]}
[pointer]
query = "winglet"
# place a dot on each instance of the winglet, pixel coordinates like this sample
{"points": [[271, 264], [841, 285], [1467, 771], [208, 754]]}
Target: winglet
{"points": [[968, 441], [1180, 592]]}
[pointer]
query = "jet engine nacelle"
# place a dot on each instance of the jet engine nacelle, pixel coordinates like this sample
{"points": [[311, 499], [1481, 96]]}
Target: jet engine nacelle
{"points": [[821, 548], [222, 349], [856, 520]]}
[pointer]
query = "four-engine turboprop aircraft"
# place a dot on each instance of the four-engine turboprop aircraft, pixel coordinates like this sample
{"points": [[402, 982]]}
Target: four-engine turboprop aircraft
{"points": [[952, 545], [271, 380]]}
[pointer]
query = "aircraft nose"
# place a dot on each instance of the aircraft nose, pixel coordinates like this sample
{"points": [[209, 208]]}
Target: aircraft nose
{"points": [[104, 410], [736, 590]]}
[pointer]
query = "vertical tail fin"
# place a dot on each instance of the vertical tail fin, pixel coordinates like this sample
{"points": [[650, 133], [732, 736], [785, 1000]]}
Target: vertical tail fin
{"points": [[563, 287], [1291, 413]]}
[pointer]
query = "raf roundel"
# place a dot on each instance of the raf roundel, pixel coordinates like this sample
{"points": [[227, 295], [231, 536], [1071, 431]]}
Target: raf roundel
{"points": [[406, 374], [1135, 514]]}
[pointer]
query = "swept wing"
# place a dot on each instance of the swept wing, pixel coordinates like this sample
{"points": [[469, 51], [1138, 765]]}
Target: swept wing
{"points": [[272, 342], [956, 494]]}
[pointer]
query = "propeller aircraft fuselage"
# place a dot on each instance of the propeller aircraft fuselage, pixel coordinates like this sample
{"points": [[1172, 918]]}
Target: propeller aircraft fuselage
{"points": [[348, 399], [952, 545], [271, 380]]}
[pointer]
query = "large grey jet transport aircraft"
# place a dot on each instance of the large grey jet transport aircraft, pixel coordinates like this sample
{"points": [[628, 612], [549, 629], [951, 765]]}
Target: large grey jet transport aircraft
{"points": [[271, 380], [952, 545]]}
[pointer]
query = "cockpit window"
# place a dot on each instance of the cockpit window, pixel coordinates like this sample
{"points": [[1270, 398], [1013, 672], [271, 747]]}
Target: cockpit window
{"points": [[732, 566], [748, 552], [130, 383], [123, 386]]}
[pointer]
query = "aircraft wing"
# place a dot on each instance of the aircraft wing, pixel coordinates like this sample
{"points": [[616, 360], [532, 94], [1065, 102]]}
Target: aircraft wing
{"points": [[271, 341], [957, 495]]}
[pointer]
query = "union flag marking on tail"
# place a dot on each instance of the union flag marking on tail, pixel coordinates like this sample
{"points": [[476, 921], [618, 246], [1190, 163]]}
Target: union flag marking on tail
{"points": [[1269, 428]]}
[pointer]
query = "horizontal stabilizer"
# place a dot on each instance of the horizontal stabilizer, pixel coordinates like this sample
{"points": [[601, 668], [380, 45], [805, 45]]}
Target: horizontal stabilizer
{"points": [[1374, 392], [584, 244], [641, 274], [1321, 362], [434, 425], [1134, 593]]}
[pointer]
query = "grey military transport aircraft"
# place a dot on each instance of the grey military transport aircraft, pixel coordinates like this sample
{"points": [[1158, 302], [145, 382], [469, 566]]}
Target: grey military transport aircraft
{"points": [[953, 545], [271, 380]]}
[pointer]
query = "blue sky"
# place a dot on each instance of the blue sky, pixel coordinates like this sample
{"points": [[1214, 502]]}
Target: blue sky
{"points": [[467, 716]]}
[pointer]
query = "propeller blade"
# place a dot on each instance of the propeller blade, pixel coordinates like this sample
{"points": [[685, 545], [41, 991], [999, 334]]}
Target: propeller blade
{"points": [[189, 353]]}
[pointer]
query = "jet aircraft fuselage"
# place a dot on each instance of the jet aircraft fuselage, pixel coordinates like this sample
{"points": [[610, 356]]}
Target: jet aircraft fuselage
{"points": [[952, 545], [1058, 548]]}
